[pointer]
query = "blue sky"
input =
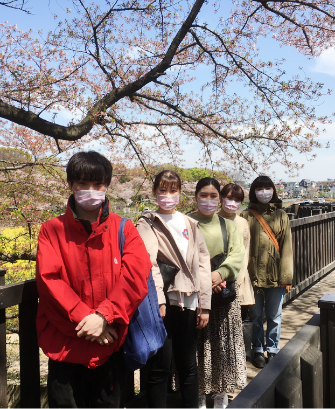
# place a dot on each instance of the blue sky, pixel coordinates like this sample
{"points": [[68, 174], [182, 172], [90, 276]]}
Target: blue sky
{"points": [[320, 69]]}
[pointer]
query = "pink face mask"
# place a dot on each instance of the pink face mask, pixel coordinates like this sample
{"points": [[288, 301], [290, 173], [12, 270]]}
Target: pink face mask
{"points": [[207, 207], [264, 196], [89, 199], [230, 206], [167, 202]]}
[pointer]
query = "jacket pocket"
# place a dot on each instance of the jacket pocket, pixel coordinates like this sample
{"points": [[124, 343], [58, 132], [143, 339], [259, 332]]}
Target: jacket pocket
{"points": [[252, 270], [272, 275]]}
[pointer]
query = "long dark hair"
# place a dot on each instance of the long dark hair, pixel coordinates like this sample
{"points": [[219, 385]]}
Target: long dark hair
{"points": [[207, 182], [262, 181]]}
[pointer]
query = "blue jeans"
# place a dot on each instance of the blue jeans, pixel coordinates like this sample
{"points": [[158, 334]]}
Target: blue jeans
{"points": [[272, 300]]}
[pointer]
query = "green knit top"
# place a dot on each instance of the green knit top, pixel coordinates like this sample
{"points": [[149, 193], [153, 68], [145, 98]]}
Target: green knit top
{"points": [[211, 230]]}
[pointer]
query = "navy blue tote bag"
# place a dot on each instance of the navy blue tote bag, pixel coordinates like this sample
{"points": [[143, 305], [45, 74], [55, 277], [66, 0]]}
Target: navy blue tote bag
{"points": [[146, 330]]}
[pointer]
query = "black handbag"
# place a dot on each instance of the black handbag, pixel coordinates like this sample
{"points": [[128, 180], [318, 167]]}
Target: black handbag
{"points": [[228, 294], [167, 271]]}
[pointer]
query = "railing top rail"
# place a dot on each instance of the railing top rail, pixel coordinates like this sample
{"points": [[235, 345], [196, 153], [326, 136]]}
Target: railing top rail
{"points": [[17, 293], [311, 219], [327, 301]]}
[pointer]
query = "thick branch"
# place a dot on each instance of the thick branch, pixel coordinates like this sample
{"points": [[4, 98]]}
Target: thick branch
{"points": [[75, 132]]}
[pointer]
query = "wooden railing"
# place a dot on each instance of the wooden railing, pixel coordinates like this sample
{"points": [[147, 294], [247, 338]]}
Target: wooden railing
{"points": [[313, 242], [302, 374], [314, 255], [23, 294]]}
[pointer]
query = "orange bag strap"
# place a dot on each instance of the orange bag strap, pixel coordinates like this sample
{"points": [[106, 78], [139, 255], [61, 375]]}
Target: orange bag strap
{"points": [[266, 228]]}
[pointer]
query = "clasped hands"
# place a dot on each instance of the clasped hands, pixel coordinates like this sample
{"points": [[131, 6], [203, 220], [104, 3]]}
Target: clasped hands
{"points": [[94, 327], [217, 283]]}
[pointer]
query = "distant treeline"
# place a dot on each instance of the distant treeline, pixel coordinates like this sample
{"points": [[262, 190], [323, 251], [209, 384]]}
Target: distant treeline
{"points": [[186, 175]]}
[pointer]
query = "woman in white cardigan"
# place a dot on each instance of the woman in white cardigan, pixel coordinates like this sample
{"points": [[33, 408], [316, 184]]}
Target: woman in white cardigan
{"points": [[231, 197]]}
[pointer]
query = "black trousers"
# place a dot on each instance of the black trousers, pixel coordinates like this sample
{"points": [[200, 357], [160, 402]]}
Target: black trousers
{"points": [[76, 386], [182, 340]]}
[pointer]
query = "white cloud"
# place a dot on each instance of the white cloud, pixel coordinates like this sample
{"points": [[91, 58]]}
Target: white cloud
{"points": [[325, 63]]}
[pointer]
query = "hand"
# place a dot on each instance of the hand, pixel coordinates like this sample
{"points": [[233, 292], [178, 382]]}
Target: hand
{"points": [[287, 286], [162, 310], [202, 318], [108, 336], [216, 279], [217, 289], [92, 326]]}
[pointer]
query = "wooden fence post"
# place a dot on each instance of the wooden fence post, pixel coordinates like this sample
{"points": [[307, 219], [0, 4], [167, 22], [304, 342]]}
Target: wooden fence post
{"points": [[29, 355], [3, 370], [327, 333]]}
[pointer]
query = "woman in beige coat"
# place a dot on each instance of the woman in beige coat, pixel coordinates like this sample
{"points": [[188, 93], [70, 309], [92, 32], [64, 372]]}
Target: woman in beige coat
{"points": [[231, 197], [184, 301]]}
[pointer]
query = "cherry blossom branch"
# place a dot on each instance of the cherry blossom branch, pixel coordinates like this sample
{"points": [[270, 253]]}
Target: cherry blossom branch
{"points": [[12, 258], [9, 3], [75, 132]]}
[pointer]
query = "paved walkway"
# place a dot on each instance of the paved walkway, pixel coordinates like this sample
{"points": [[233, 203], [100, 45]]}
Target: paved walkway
{"points": [[297, 313]]}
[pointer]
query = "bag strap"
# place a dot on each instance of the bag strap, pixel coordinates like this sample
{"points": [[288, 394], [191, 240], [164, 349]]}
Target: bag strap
{"points": [[224, 234], [121, 234], [147, 220], [171, 240], [266, 228]]}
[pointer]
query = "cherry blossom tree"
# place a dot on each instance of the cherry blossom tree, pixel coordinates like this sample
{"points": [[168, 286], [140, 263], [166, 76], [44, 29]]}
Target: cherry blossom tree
{"points": [[125, 70], [126, 74]]}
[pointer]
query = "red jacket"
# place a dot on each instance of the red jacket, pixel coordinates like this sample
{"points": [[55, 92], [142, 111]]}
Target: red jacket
{"points": [[77, 274]]}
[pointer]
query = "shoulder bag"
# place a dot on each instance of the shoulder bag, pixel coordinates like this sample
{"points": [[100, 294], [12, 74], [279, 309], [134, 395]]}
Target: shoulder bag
{"points": [[227, 294], [146, 330]]}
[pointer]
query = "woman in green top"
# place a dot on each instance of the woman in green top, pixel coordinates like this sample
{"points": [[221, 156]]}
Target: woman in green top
{"points": [[221, 353]]}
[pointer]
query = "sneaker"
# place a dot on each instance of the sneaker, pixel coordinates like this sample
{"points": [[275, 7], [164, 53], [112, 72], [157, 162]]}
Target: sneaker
{"points": [[220, 401], [259, 360], [202, 401], [271, 355]]}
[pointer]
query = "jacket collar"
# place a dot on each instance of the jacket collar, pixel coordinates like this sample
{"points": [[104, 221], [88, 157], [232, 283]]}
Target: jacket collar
{"points": [[191, 224], [265, 207], [71, 215]]}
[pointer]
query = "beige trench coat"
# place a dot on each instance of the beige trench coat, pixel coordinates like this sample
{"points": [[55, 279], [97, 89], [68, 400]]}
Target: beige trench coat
{"points": [[246, 291]]}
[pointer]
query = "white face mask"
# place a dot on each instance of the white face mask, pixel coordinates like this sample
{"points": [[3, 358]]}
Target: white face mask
{"points": [[264, 196]]}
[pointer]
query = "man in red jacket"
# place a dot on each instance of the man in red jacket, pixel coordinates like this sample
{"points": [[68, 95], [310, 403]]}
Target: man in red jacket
{"points": [[87, 294]]}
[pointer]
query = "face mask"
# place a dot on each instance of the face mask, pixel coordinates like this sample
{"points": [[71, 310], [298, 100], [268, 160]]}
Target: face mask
{"points": [[230, 206], [90, 199], [167, 202], [264, 196], [207, 207]]}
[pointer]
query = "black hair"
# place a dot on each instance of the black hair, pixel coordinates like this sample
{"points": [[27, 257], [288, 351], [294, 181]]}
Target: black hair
{"points": [[90, 166], [262, 181], [167, 177], [234, 190], [207, 182]]}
